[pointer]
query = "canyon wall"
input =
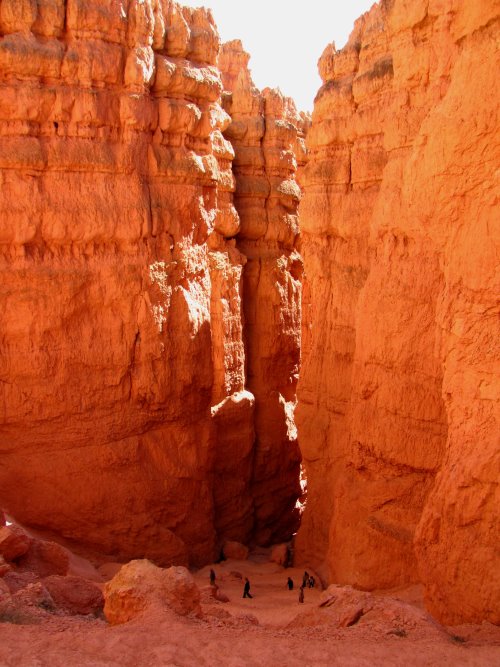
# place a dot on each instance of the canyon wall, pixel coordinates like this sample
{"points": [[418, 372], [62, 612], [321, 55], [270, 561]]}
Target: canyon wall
{"points": [[126, 423], [398, 394], [268, 134], [150, 293]]}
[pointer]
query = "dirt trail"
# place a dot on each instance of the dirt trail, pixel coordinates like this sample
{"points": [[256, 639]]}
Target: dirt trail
{"points": [[270, 630]]}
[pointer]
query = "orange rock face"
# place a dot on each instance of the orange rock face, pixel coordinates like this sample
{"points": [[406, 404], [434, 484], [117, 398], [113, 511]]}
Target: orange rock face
{"points": [[398, 397], [140, 585], [267, 134], [125, 419]]}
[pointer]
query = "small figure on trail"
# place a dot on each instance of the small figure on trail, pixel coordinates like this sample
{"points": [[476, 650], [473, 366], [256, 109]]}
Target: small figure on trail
{"points": [[212, 577], [311, 581], [301, 594], [246, 589], [289, 583], [305, 579]]}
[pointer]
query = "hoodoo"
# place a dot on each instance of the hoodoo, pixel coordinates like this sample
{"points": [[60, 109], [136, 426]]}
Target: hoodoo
{"points": [[268, 134], [161, 290]]}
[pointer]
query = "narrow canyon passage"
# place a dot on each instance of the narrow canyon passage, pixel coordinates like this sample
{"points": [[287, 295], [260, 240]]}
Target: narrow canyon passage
{"points": [[202, 286]]}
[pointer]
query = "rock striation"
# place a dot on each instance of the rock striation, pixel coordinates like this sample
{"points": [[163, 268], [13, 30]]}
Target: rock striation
{"points": [[398, 395], [267, 134], [126, 422], [151, 296]]}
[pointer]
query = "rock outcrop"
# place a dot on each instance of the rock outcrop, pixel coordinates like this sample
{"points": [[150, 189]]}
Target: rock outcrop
{"points": [[267, 134], [398, 396], [151, 298], [74, 594], [140, 586], [126, 423]]}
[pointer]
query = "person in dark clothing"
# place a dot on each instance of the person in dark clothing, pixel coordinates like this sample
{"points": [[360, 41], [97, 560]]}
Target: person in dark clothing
{"points": [[246, 589], [301, 594], [305, 579], [311, 581], [212, 577], [289, 583]]}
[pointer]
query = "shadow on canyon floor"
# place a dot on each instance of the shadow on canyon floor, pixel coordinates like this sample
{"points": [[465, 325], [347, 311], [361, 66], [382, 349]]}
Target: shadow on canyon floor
{"points": [[339, 626]]}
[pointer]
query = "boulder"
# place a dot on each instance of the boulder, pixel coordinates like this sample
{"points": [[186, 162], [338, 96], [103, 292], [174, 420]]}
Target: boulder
{"points": [[235, 550], [74, 594], [140, 585], [13, 542], [4, 566], [45, 559]]}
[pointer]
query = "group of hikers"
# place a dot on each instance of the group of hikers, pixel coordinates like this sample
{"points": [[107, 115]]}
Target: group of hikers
{"points": [[308, 581]]}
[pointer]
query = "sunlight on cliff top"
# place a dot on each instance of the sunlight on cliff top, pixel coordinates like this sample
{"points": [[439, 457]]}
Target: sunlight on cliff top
{"points": [[285, 38]]}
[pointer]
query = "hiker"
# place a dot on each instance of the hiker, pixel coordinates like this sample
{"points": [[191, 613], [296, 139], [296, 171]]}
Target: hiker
{"points": [[305, 579], [246, 589], [212, 577], [301, 594], [289, 583], [311, 581]]}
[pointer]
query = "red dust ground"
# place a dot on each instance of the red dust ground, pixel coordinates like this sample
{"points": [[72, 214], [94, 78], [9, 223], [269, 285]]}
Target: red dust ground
{"points": [[271, 629]]}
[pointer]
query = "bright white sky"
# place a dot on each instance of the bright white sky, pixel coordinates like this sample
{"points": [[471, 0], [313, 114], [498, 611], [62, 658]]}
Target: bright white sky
{"points": [[285, 38]]}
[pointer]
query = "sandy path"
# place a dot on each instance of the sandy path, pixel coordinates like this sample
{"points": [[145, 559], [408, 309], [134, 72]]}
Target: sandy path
{"points": [[227, 637]]}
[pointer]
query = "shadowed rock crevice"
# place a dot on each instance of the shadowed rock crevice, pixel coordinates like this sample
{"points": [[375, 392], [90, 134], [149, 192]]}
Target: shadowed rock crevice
{"points": [[152, 291], [267, 134]]}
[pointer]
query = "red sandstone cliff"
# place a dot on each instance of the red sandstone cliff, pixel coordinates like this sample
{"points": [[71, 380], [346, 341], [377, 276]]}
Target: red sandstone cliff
{"points": [[398, 395], [267, 134], [125, 421], [149, 325]]}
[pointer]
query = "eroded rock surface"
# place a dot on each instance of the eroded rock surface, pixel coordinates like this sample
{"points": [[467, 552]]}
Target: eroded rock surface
{"points": [[267, 134], [140, 585], [125, 418], [398, 396]]}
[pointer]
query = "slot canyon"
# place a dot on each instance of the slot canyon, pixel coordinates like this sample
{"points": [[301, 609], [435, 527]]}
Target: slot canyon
{"points": [[228, 324]]}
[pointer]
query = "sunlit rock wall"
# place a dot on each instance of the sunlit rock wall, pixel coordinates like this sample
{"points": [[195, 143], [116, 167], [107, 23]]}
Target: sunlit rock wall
{"points": [[398, 396], [267, 134], [124, 421]]}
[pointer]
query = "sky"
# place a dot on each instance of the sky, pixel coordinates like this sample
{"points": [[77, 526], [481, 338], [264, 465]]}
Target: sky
{"points": [[285, 38]]}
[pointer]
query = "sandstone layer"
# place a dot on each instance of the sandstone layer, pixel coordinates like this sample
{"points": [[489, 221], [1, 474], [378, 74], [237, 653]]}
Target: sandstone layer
{"points": [[267, 134], [398, 396], [126, 425]]}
